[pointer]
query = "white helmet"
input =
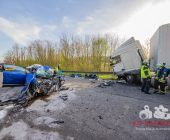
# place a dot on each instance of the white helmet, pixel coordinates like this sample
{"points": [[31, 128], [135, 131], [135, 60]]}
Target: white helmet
{"points": [[146, 61], [160, 65]]}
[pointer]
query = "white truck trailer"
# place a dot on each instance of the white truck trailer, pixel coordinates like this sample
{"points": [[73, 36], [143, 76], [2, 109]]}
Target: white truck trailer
{"points": [[127, 59], [160, 47]]}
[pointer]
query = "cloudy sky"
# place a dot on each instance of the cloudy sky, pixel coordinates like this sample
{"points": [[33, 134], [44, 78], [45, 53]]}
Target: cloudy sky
{"points": [[22, 21]]}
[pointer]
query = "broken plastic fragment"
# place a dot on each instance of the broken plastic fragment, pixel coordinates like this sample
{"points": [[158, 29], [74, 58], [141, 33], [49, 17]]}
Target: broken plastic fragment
{"points": [[57, 122]]}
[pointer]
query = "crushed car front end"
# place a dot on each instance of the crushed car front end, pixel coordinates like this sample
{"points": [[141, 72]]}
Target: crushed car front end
{"points": [[40, 81]]}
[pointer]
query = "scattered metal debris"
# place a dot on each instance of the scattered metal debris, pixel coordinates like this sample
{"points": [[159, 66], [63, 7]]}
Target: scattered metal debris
{"points": [[101, 85], [1, 107], [121, 81], [71, 89], [91, 76], [100, 117], [57, 122], [64, 88], [104, 83], [76, 75], [7, 122], [64, 98]]}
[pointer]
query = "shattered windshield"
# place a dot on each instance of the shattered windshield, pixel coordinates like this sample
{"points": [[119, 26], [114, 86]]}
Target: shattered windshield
{"points": [[115, 60], [45, 73]]}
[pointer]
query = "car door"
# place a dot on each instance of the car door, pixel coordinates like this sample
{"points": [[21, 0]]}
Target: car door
{"points": [[16, 76]]}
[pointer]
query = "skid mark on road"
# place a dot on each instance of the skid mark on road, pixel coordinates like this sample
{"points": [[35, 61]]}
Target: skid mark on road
{"points": [[121, 116]]}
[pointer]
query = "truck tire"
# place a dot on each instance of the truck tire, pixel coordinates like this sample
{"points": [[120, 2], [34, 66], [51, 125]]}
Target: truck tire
{"points": [[130, 78]]}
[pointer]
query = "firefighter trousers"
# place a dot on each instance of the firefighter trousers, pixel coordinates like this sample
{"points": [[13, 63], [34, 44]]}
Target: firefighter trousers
{"points": [[162, 86], [145, 85]]}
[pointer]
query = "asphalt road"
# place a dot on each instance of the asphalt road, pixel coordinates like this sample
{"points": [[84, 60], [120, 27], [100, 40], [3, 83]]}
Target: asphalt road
{"points": [[90, 113]]}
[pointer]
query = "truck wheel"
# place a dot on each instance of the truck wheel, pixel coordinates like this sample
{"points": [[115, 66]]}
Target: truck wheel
{"points": [[130, 78]]}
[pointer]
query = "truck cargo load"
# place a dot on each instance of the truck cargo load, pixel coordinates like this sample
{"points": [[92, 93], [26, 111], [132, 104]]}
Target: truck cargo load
{"points": [[160, 47]]}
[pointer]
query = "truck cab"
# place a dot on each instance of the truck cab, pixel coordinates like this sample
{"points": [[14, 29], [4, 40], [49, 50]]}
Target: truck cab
{"points": [[127, 60]]}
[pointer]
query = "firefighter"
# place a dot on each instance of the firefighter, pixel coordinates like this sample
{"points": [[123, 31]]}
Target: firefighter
{"points": [[59, 67], [156, 78], [56, 68], [163, 74], [146, 76]]}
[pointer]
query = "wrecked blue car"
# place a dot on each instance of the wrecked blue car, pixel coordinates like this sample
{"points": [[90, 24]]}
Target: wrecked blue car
{"points": [[40, 80]]}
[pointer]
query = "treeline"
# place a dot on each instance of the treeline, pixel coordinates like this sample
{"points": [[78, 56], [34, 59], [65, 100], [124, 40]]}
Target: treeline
{"points": [[88, 53]]}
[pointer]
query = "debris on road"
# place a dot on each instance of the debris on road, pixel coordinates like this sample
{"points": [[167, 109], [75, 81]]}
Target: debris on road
{"points": [[71, 89], [63, 98], [121, 81], [7, 122], [64, 88], [57, 122], [103, 84], [100, 117], [1, 107], [76, 75], [91, 76]]}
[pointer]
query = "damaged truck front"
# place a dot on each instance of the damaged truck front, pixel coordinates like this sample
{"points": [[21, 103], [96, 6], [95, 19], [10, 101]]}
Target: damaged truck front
{"points": [[127, 60], [40, 80]]}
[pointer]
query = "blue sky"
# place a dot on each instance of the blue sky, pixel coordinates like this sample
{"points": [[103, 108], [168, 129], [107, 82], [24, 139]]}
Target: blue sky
{"points": [[22, 21]]}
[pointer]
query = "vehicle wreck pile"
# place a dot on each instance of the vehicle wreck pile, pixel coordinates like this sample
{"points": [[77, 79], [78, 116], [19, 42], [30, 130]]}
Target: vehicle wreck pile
{"points": [[40, 80]]}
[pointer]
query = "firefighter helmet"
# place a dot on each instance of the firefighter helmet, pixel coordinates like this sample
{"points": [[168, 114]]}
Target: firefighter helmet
{"points": [[160, 65], [146, 61]]}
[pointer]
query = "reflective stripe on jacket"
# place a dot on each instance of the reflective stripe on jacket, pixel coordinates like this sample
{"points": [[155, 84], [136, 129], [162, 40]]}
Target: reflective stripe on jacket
{"points": [[162, 76], [157, 74], [56, 68], [145, 72]]}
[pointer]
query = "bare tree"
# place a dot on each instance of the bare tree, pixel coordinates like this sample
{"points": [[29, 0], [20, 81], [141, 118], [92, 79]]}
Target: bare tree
{"points": [[90, 52]]}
